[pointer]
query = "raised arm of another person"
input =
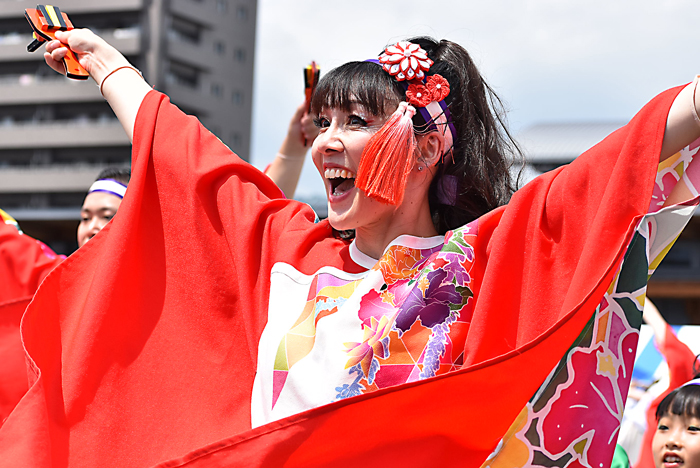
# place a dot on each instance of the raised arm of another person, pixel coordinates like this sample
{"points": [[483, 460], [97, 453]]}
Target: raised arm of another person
{"points": [[286, 168], [683, 123], [120, 82]]}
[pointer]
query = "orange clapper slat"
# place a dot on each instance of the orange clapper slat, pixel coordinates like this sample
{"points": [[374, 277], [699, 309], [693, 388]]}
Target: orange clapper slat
{"points": [[45, 20]]}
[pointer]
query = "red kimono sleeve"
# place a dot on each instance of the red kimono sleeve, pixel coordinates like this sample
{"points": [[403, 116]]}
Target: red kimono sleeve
{"points": [[146, 337], [24, 262]]}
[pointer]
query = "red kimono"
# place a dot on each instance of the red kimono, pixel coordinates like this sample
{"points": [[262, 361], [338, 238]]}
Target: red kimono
{"points": [[153, 342], [24, 262]]}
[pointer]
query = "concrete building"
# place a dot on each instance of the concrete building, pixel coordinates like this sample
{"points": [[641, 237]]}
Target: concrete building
{"points": [[56, 134]]}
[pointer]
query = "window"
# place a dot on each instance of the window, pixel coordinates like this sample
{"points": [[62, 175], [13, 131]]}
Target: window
{"points": [[217, 90], [184, 30], [237, 98], [236, 141], [182, 74], [239, 54], [219, 47], [221, 6], [242, 12]]}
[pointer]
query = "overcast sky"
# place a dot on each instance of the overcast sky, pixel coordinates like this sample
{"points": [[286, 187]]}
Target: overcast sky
{"points": [[549, 60]]}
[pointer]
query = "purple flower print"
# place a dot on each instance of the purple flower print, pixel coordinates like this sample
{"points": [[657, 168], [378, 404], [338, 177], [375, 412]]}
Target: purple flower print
{"points": [[431, 307]]}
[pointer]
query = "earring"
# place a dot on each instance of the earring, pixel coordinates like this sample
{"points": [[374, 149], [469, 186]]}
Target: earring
{"points": [[420, 168]]}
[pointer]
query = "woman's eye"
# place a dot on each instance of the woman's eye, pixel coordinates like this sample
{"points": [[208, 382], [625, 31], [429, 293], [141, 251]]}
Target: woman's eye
{"points": [[694, 429], [662, 427], [357, 121], [321, 122]]}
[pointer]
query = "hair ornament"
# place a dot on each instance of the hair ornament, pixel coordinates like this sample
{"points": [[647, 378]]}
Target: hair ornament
{"points": [[405, 61], [389, 156], [435, 89]]}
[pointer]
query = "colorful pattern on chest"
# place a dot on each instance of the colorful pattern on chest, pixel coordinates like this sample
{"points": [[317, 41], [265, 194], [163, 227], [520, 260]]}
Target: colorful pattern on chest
{"points": [[414, 321]]}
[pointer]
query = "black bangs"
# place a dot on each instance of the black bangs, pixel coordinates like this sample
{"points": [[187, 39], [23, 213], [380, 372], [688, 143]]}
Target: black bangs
{"points": [[357, 82], [684, 401]]}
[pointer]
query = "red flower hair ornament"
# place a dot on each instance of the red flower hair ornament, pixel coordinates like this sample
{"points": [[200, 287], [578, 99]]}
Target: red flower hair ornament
{"points": [[435, 89], [390, 155], [405, 61]]}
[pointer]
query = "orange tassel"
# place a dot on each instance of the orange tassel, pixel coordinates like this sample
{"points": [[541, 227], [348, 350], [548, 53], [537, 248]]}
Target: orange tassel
{"points": [[388, 158]]}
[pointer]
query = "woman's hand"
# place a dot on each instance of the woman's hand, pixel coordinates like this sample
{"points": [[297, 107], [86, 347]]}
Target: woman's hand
{"points": [[94, 54], [285, 169], [124, 88]]}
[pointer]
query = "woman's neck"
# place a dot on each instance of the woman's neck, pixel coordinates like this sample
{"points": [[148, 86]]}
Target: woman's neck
{"points": [[410, 219]]}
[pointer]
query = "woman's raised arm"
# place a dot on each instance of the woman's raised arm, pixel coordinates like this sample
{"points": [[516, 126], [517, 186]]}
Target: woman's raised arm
{"points": [[124, 88], [683, 123]]}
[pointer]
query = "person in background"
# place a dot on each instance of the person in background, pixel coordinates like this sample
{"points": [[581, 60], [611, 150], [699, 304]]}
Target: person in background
{"points": [[102, 202], [676, 441], [286, 168], [25, 262], [681, 368]]}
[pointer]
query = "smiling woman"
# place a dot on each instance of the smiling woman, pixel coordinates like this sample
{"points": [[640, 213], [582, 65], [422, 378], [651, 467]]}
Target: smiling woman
{"points": [[233, 328]]}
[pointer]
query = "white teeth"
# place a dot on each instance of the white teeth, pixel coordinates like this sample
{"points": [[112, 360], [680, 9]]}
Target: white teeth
{"points": [[334, 173]]}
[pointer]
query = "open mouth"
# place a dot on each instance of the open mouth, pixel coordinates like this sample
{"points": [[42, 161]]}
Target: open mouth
{"points": [[672, 460], [341, 180]]}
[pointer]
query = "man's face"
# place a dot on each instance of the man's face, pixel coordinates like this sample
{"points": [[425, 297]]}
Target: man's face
{"points": [[98, 208]]}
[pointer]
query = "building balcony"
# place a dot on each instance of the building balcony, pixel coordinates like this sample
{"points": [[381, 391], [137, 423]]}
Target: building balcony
{"points": [[193, 11], [16, 8], [56, 178], [191, 99], [199, 56], [31, 89], [64, 134], [13, 47]]}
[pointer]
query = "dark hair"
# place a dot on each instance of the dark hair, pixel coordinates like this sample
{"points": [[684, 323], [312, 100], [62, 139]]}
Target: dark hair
{"points": [[120, 174], [483, 149], [683, 401]]}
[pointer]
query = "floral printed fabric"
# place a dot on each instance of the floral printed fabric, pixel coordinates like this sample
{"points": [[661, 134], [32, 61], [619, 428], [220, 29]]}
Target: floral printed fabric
{"points": [[574, 418], [408, 316], [404, 320]]}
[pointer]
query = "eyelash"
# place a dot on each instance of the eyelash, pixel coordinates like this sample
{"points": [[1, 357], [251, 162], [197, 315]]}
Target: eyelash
{"points": [[320, 121]]}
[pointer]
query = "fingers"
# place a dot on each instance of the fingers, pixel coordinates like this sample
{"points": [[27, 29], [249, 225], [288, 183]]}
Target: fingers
{"points": [[56, 51], [54, 59], [95, 55], [308, 129], [299, 112]]}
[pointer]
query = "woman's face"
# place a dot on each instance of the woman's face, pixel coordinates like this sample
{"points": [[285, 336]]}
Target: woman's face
{"points": [[676, 442], [98, 208], [336, 153]]}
